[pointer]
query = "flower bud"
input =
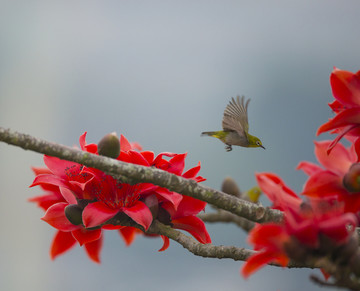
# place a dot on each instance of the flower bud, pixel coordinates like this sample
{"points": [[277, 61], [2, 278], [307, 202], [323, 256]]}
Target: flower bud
{"points": [[351, 180], [229, 186], [73, 213], [109, 146]]}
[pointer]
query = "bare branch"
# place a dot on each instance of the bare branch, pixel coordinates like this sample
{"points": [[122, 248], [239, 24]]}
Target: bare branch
{"points": [[136, 174], [225, 216]]}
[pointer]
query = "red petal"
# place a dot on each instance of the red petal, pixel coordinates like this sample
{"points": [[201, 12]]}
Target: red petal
{"points": [[45, 201], [138, 159], [149, 156], [97, 213], [93, 249], [265, 235], [338, 161], [172, 197], [124, 144], [55, 216], [62, 242], [49, 179], [258, 260], [337, 228], [140, 213], [195, 226], [177, 164], [346, 87], [309, 168], [346, 117], [166, 243], [324, 183], [84, 236], [68, 195], [82, 141], [189, 206], [276, 190], [191, 173], [40, 171], [90, 148], [62, 168], [128, 233]]}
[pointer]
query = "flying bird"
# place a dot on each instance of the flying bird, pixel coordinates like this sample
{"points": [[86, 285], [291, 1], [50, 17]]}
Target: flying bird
{"points": [[236, 126]]}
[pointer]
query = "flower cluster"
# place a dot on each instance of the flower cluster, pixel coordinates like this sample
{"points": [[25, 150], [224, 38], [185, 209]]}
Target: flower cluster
{"points": [[82, 202], [323, 224]]}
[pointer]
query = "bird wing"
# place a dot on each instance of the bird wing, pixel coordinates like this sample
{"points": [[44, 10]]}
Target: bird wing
{"points": [[236, 116]]}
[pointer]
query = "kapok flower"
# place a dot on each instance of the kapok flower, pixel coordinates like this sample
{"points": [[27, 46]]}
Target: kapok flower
{"points": [[346, 90], [307, 230], [327, 181], [64, 240], [88, 198]]}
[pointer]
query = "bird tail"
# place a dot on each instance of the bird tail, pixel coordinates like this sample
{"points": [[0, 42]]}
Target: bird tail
{"points": [[209, 133]]}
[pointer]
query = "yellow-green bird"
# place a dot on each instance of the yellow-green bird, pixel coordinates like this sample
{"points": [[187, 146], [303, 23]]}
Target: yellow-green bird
{"points": [[236, 126]]}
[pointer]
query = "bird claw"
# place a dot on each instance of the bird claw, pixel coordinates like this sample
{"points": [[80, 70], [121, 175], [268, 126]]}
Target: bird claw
{"points": [[228, 148]]}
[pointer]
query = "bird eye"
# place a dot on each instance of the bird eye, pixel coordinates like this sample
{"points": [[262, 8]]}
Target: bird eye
{"points": [[258, 143]]}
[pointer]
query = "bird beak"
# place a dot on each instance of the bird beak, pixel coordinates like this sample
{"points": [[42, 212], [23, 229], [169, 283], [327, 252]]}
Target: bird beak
{"points": [[263, 147]]}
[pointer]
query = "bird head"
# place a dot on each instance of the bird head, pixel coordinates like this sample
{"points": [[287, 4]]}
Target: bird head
{"points": [[255, 142]]}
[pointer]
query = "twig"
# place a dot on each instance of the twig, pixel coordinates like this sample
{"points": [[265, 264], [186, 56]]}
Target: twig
{"points": [[225, 216], [137, 173]]}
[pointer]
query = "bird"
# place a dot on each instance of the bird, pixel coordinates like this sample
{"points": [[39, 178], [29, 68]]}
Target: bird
{"points": [[236, 126]]}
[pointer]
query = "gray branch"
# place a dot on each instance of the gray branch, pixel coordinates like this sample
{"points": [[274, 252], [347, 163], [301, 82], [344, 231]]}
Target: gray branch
{"points": [[225, 216]]}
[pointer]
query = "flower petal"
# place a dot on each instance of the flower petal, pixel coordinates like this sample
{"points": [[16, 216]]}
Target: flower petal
{"points": [[90, 148], [128, 233], [62, 168], [191, 173], [140, 213], [259, 260], [49, 179], [323, 184], [346, 117], [84, 236], [346, 87], [124, 144], [62, 242], [189, 206], [276, 190], [55, 216], [68, 195], [166, 243], [168, 196], [45, 201], [338, 161], [193, 225], [97, 213], [309, 168], [93, 249], [177, 164], [149, 156]]}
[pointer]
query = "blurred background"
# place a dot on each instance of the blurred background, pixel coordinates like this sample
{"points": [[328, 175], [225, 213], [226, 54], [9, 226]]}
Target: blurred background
{"points": [[161, 72]]}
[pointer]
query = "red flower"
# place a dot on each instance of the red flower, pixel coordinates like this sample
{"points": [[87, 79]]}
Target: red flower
{"points": [[65, 239], [80, 201], [301, 231], [346, 90], [326, 182]]}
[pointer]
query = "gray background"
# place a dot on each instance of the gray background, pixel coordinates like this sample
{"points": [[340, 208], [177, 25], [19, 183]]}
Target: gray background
{"points": [[161, 72]]}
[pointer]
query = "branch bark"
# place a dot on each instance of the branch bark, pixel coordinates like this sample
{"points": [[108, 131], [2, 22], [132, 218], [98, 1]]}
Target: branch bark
{"points": [[225, 216]]}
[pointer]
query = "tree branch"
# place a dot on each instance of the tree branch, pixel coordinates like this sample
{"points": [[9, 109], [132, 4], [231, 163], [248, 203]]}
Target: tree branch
{"points": [[137, 174], [225, 216]]}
